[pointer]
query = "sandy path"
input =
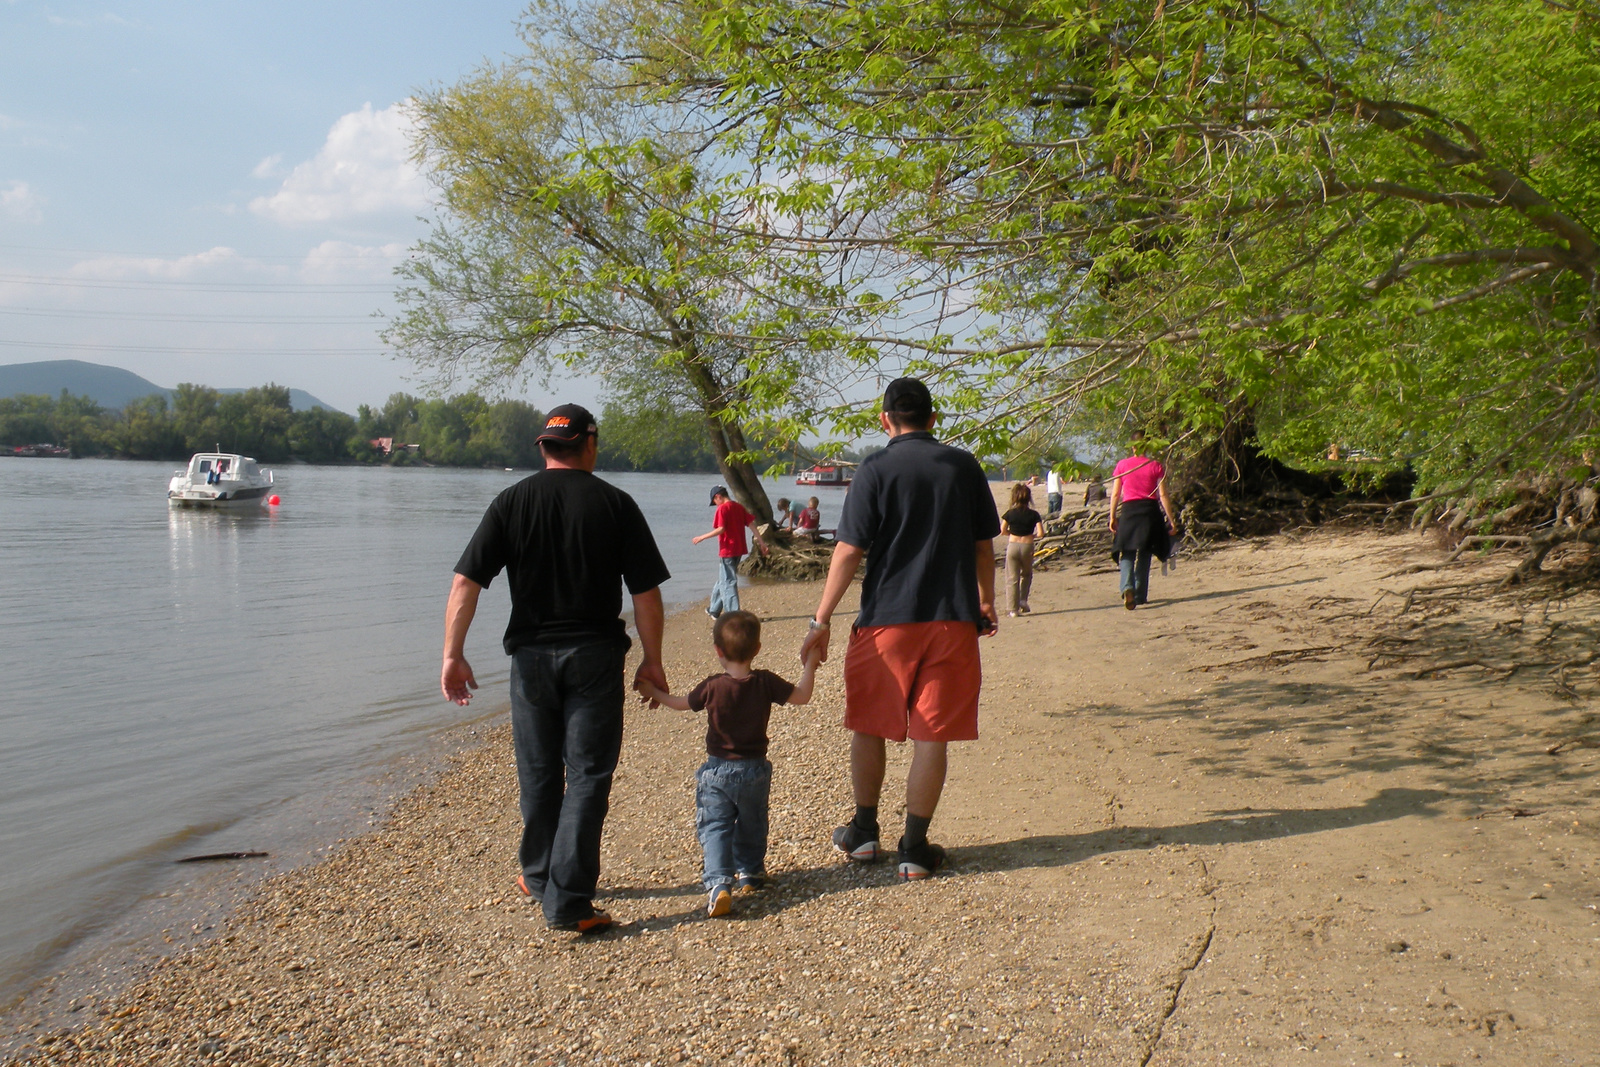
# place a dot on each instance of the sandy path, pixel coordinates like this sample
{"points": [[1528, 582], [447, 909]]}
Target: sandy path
{"points": [[1173, 845]]}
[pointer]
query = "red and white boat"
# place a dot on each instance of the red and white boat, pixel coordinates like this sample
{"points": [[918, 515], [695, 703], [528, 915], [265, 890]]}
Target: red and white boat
{"points": [[835, 473]]}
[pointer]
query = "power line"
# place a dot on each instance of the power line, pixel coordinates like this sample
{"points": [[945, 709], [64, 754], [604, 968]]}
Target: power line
{"points": [[198, 287], [139, 316], [179, 255], [177, 350]]}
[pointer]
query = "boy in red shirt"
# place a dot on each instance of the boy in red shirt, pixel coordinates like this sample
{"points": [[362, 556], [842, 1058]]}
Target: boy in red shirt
{"points": [[731, 519], [733, 785]]}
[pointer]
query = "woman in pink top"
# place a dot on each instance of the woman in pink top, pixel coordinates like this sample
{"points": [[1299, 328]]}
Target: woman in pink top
{"points": [[1142, 522]]}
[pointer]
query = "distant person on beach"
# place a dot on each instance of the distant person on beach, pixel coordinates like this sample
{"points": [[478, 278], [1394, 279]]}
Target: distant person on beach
{"points": [[785, 515], [1141, 526], [569, 542], [1019, 524], [924, 512], [733, 785], [1052, 493], [729, 522], [808, 523]]}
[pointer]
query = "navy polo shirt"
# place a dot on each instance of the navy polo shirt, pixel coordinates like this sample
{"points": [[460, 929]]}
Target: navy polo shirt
{"points": [[918, 508]]}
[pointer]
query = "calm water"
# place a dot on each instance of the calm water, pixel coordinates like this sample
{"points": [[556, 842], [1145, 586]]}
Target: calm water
{"points": [[177, 680]]}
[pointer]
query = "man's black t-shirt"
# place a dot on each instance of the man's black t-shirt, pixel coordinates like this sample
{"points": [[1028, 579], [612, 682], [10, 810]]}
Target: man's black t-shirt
{"points": [[568, 542], [738, 710], [918, 508]]}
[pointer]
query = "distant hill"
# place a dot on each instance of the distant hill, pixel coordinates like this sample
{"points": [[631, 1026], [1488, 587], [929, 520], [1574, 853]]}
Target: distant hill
{"points": [[110, 387]]}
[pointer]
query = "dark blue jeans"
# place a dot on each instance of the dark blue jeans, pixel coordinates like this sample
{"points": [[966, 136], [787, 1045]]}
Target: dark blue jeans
{"points": [[730, 797], [1135, 570], [566, 724]]}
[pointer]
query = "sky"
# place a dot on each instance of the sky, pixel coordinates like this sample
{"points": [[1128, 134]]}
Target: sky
{"points": [[218, 192]]}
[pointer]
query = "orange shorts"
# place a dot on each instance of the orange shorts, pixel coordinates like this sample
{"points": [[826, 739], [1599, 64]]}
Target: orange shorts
{"points": [[917, 680]]}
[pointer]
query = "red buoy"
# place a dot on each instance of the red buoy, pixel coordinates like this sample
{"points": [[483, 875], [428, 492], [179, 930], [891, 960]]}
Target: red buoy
{"points": [[273, 500]]}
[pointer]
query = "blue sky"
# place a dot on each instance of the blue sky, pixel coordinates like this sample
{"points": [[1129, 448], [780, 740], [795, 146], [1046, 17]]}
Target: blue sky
{"points": [[217, 192]]}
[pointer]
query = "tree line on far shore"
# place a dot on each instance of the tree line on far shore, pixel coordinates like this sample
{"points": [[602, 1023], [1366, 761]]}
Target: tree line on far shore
{"points": [[466, 430]]}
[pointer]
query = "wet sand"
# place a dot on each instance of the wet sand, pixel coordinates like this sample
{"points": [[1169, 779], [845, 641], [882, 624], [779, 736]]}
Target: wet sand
{"points": [[1221, 829]]}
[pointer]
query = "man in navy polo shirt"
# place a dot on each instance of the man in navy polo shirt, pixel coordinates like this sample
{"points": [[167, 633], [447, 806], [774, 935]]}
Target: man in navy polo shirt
{"points": [[925, 513]]}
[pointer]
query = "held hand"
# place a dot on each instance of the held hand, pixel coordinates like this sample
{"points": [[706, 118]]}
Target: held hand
{"points": [[456, 680], [991, 619], [650, 674], [812, 657], [815, 644]]}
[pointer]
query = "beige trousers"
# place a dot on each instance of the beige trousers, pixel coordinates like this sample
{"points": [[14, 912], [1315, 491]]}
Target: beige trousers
{"points": [[1019, 574]]}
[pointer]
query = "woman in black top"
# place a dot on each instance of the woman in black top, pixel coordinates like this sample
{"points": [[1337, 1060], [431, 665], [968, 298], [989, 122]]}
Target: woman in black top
{"points": [[1019, 525]]}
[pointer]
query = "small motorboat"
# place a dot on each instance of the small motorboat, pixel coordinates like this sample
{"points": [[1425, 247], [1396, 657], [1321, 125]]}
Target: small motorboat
{"points": [[219, 479], [833, 473]]}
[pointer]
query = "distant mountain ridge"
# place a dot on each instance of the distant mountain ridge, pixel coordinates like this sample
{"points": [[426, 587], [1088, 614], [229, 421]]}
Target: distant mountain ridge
{"points": [[110, 387]]}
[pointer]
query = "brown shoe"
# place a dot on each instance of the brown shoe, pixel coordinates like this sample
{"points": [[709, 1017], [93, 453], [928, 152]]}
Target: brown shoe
{"points": [[1128, 600]]}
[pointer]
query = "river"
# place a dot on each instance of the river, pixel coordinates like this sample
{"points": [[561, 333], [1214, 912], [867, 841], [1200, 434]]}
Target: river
{"points": [[187, 682]]}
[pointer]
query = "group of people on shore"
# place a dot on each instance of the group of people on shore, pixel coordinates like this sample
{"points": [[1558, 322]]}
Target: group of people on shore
{"points": [[921, 515]]}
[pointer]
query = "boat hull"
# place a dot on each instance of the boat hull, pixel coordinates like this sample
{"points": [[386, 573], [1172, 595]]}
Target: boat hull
{"points": [[253, 496]]}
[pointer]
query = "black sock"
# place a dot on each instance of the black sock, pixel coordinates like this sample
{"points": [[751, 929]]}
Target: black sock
{"points": [[916, 830], [866, 819]]}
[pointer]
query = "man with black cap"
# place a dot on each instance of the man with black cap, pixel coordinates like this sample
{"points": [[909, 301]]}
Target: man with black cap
{"points": [[925, 512], [728, 528], [569, 542]]}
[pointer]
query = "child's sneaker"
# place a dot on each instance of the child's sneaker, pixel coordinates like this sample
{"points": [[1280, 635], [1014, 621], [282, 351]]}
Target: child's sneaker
{"points": [[920, 861], [858, 845], [719, 902], [751, 883]]}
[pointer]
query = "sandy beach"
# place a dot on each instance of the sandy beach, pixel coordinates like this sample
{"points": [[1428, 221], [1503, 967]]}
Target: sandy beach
{"points": [[1284, 814]]}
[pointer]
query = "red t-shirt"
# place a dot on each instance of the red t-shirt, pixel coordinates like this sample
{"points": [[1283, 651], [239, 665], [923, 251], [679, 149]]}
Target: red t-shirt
{"points": [[733, 518], [1140, 476]]}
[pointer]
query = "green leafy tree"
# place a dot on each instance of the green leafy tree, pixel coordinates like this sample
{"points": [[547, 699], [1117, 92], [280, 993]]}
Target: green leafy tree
{"points": [[1254, 226], [321, 436], [582, 230], [146, 431]]}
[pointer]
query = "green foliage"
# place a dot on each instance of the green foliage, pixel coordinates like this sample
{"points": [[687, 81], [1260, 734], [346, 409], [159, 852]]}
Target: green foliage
{"points": [[1366, 223], [653, 439]]}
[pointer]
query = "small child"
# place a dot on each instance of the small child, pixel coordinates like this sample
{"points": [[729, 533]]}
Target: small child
{"points": [[732, 786]]}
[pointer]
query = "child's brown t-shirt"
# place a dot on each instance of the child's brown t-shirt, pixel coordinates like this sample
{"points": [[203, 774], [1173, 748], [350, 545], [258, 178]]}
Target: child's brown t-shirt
{"points": [[737, 711]]}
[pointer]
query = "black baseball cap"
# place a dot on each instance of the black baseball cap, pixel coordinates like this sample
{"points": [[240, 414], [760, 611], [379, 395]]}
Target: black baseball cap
{"points": [[567, 422], [715, 489], [908, 396]]}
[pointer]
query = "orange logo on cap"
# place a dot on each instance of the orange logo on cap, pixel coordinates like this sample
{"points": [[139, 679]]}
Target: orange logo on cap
{"points": [[558, 420]]}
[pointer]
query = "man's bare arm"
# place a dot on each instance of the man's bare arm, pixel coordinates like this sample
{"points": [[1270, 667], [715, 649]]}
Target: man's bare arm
{"points": [[841, 570], [650, 619], [983, 552], [455, 677]]}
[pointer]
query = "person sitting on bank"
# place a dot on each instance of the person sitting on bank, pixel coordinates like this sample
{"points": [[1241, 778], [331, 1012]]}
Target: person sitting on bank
{"points": [[784, 514], [733, 786], [808, 523], [1140, 526]]}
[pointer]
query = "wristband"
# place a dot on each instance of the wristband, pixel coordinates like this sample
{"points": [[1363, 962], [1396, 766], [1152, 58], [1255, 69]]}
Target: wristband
{"points": [[815, 625]]}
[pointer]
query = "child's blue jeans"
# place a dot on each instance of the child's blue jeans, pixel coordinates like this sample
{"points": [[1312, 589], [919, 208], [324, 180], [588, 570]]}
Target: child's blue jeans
{"points": [[730, 799]]}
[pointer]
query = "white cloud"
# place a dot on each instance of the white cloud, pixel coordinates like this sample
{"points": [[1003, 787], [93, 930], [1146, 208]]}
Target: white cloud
{"points": [[19, 201], [271, 167], [177, 268], [105, 18], [363, 168], [341, 261]]}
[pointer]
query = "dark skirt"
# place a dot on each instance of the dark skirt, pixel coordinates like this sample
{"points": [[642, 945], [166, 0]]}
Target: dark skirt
{"points": [[1141, 524]]}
